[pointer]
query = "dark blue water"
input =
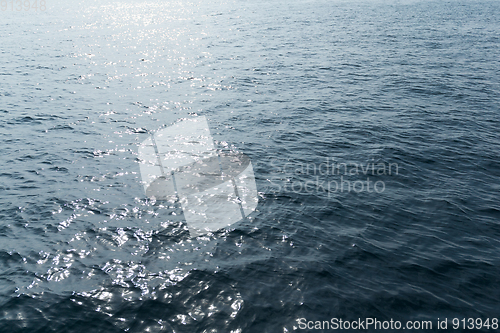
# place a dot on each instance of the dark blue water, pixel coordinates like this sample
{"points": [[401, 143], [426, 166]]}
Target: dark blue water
{"points": [[373, 128]]}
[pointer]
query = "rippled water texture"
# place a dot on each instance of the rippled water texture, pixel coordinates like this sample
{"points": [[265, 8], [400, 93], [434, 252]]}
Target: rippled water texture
{"points": [[412, 84]]}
